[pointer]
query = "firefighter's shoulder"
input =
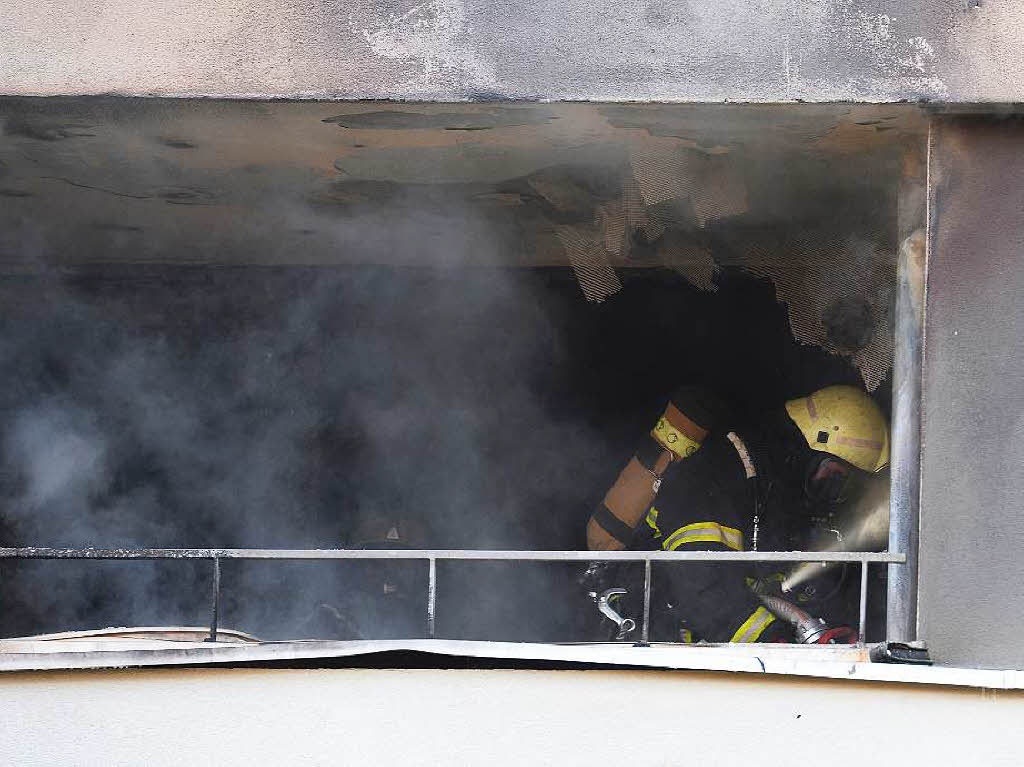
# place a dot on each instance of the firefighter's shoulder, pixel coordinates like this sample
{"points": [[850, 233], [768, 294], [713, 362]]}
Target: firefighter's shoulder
{"points": [[692, 412]]}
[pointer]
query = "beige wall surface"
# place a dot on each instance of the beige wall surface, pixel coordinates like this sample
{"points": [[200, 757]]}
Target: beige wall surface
{"points": [[437, 717], [675, 50]]}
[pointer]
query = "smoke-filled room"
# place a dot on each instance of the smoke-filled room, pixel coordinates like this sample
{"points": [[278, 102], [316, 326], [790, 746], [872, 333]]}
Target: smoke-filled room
{"points": [[387, 328]]}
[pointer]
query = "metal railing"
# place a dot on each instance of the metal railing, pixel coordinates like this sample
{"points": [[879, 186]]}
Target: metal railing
{"points": [[863, 558]]}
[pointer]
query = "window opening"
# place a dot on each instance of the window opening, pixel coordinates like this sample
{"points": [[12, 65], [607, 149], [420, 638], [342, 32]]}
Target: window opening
{"points": [[416, 344]]}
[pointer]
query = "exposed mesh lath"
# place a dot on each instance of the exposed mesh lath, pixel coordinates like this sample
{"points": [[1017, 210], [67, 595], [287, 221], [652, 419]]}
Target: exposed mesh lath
{"points": [[590, 261], [658, 167], [640, 220], [613, 222], [719, 192], [695, 210], [837, 291], [689, 259], [668, 172]]}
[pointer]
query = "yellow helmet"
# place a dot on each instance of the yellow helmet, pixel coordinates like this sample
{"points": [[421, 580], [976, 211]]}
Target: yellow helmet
{"points": [[845, 422]]}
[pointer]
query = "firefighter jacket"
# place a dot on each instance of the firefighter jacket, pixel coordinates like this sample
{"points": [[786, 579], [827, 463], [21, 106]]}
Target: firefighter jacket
{"points": [[704, 498], [707, 502]]}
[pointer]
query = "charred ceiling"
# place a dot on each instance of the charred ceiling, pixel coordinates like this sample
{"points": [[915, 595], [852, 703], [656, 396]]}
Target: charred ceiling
{"points": [[803, 196]]}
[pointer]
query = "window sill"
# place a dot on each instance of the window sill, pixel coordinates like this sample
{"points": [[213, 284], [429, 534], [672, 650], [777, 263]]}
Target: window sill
{"points": [[827, 662]]}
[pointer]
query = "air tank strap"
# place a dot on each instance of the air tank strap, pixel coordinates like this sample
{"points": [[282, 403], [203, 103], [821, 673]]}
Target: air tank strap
{"points": [[612, 525]]}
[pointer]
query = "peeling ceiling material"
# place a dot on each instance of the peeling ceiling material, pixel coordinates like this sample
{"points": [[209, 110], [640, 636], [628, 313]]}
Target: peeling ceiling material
{"points": [[690, 259], [838, 292], [665, 172], [590, 262], [800, 195]]}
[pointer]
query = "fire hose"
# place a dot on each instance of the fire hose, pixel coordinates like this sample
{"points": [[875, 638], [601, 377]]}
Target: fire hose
{"points": [[808, 629]]}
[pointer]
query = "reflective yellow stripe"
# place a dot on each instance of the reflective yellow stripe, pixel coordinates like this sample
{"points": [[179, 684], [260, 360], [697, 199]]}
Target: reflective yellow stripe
{"points": [[673, 439], [652, 521], [753, 626], [704, 532]]}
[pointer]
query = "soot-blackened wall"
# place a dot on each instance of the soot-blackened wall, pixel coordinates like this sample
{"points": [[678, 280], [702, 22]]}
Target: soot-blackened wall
{"points": [[972, 423]]}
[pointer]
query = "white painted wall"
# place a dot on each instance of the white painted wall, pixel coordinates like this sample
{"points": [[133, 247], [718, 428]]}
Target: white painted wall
{"points": [[686, 50], [433, 717]]}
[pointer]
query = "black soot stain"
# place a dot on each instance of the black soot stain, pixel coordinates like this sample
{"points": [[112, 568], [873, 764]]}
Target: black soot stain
{"points": [[849, 323], [177, 143], [181, 195], [107, 226], [44, 131], [497, 117]]}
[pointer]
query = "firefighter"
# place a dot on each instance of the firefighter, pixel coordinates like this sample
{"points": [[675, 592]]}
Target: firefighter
{"points": [[698, 482]]}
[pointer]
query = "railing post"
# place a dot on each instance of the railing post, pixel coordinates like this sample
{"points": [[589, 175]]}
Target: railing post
{"points": [[214, 600], [863, 622], [431, 596], [645, 630]]}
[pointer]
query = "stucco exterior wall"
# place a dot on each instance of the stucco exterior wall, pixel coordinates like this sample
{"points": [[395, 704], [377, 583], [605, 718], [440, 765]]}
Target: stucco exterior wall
{"points": [[673, 50], [972, 502], [425, 717]]}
